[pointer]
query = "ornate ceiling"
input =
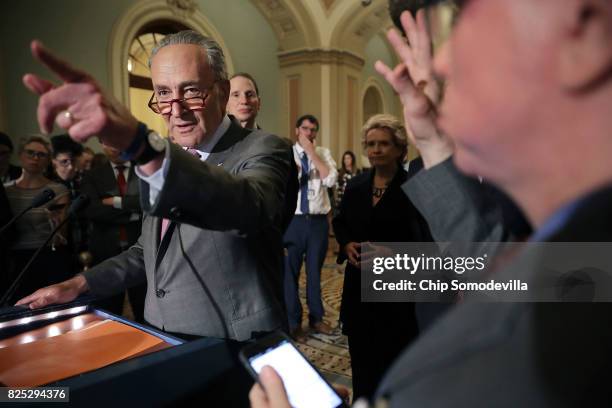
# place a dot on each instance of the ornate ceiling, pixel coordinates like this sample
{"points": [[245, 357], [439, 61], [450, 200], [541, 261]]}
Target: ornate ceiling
{"points": [[345, 25]]}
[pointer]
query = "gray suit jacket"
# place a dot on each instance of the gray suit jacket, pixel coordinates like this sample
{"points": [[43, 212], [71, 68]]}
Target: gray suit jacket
{"points": [[217, 272], [510, 354], [457, 208]]}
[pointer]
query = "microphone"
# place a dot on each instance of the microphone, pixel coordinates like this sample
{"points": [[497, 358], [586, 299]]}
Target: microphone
{"points": [[43, 198], [40, 199], [77, 205]]}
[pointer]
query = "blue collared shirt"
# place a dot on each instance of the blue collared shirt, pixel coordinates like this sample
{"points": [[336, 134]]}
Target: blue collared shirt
{"points": [[555, 222]]}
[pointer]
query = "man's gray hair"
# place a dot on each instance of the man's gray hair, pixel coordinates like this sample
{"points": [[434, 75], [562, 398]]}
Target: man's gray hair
{"points": [[214, 53]]}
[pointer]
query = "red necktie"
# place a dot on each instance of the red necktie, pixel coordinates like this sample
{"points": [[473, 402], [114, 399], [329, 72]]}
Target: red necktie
{"points": [[122, 184]]}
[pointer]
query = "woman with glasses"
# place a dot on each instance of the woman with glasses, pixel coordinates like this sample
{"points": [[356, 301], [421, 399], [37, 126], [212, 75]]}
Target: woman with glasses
{"points": [[375, 209], [32, 230]]}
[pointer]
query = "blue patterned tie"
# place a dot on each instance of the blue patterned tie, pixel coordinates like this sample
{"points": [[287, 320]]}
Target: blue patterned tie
{"points": [[304, 184]]}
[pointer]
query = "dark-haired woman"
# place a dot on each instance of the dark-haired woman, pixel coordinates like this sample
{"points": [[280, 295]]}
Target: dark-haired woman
{"points": [[347, 171]]}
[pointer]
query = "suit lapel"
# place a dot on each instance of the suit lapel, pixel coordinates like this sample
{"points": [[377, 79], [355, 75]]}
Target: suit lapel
{"points": [[108, 175], [222, 151], [225, 146], [132, 181], [218, 158], [163, 244]]}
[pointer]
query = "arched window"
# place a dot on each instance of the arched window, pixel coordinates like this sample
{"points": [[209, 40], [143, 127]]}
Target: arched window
{"points": [[372, 103], [140, 85]]}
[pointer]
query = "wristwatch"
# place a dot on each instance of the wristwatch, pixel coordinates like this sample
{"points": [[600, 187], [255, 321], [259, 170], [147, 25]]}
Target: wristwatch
{"points": [[153, 146]]}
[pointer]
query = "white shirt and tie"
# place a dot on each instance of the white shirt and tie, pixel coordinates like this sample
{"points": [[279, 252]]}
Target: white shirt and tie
{"points": [[318, 198], [124, 168]]}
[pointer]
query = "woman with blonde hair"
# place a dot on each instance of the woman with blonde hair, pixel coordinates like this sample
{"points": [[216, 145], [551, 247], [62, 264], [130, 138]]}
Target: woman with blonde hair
{"points": [[375, 209], [54, 263]]}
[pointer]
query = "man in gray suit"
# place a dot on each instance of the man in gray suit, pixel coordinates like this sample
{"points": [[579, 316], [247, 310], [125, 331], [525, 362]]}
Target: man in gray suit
{"points": [[211, 239], [526, 104]]}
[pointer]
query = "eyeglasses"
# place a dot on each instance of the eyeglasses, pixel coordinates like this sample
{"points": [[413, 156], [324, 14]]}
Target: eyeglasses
{"points": [[34, 154], [64, 163], [191, 103], [311, 129]]}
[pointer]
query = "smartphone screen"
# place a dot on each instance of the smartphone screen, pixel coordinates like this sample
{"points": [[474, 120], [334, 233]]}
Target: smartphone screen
{"points": [[305, 386]]}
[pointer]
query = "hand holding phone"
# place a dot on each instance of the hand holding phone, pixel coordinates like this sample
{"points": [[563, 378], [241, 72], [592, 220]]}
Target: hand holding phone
{"points": [[304, 385], [274, 395]]}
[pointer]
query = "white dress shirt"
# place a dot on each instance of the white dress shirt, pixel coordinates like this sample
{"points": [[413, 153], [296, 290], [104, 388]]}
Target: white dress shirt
{"points": [[118, 200], [157, 179], [318, 198]]}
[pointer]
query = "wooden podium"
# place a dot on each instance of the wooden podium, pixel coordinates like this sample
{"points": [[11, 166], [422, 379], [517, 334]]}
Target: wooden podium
{"points": [[106, 359]]}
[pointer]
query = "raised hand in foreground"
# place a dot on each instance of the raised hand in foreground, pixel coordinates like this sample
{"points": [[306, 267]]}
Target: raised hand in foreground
{"points": [[414, 81]]}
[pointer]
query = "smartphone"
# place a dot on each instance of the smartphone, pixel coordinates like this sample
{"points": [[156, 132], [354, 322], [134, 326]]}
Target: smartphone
{"points": [[305, 387]]}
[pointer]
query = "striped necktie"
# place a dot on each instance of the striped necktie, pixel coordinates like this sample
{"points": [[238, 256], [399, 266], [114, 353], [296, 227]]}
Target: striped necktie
{"points": [[304, 184]]}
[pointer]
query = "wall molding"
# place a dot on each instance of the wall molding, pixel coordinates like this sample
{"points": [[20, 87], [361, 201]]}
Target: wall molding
{"points": [[320, 56]]}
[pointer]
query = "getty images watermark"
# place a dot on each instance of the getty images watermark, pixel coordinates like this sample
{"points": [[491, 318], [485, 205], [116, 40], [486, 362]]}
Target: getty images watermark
{"points": [[486, 271]]}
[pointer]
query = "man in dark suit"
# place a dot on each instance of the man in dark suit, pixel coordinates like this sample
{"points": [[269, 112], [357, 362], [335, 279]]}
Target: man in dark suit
{"points": [[8, 172], [116, 219], [5, 216], [525, 108], [210, 248]]}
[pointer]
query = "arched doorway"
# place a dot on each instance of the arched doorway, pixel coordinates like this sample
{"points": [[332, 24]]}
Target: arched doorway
{"points": [[372, 103]]}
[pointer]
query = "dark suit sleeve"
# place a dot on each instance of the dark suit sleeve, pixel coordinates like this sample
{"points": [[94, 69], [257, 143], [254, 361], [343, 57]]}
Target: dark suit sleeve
{"points": [[206, 196], [98, 212], [5, 216], [341, 223], [131, 203], [118, 273], [457, 208]]}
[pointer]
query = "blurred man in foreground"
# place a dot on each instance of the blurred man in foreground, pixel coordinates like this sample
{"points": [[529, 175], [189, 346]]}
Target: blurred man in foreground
{"points": [[529, 85]]}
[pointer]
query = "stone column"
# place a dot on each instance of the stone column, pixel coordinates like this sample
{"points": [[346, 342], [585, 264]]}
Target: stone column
{"points": [[325, 83]]}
